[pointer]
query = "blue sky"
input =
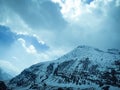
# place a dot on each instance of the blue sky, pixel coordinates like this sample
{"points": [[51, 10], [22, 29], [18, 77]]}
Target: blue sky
{"points": [[33, 31]]}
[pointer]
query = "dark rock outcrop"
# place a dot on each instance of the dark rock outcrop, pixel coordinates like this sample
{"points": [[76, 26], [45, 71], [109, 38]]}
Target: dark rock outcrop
{"points": [[3, 86]]}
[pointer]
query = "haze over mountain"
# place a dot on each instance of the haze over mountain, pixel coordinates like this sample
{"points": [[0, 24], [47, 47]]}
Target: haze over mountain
{"points": [[4, 76]]}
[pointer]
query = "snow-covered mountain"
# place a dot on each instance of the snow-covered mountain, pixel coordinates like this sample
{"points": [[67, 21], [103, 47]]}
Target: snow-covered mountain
{"points": [[84, 68]]}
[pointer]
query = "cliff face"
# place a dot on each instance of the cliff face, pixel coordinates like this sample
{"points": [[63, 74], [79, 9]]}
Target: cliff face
{"points": [[84, 68]]}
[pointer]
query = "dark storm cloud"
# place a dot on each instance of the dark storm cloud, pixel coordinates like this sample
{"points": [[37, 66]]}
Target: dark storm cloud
{"points": [[7, 38], [38, 14]]}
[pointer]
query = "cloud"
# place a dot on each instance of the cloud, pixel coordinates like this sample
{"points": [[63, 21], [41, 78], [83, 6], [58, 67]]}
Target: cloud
{"points": [[117, 2], [31, 43], [34, 42], [30, 49], [91, 22], [36, 14], [96, 25]]}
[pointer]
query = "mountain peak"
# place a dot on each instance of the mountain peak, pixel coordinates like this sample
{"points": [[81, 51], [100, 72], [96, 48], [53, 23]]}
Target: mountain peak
{"points": [[84, 46], [88, 48], [82, 51], [114, 51]]}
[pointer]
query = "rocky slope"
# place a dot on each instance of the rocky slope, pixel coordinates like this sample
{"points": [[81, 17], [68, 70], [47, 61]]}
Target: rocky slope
{"points": [[84, 68]]}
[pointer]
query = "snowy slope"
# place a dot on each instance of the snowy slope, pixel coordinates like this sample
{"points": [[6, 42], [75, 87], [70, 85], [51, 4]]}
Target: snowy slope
{"points": [[84, 68]]}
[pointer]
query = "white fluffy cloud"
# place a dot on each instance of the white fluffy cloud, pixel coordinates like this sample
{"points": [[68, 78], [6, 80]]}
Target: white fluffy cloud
{"points": [[30, 49], [73, 9], [70, 8]]}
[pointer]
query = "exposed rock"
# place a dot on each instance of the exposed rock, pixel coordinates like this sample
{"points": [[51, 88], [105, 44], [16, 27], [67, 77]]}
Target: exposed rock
{"points": [[3, 86]]}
